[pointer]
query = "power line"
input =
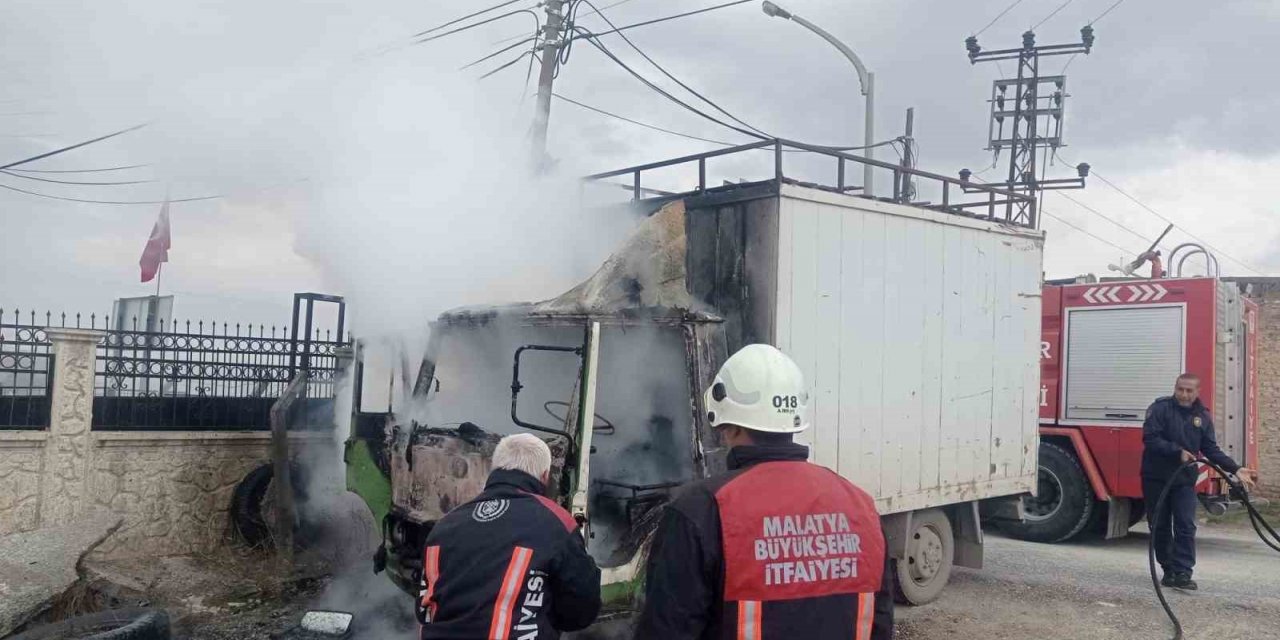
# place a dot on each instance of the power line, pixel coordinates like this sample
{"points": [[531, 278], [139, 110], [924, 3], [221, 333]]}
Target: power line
{"points": [[1166, 219], [1069, 224], [1109, 10], [496, 53], [52, 197], [121, 168], [466, 17], [678, 15], [505, 65], [1088, 233], [473, 25], [664, 93], [75, 182], [1091, 23], [642, 124], [74, 146], [669, 75], [1103, 216], [592, 12], [997, 18], [1055, 12]]}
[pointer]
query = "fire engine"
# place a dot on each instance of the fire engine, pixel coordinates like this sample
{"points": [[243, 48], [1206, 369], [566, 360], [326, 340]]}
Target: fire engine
{"points": [[1108, 349]]}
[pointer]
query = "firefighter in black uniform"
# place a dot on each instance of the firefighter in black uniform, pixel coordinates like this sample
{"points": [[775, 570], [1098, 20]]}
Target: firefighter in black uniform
{"points": [[1177, 430], [777, 547], [510, 564]]}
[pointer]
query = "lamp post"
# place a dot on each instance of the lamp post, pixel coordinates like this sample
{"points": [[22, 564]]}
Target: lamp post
{"points": [[866, 79]]}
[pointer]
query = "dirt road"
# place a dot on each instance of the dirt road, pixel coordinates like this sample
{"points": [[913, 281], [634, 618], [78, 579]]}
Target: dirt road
{"points": [[1102, 591]]}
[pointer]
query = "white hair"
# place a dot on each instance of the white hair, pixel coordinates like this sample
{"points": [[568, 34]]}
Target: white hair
{"points": [[523, 452]]}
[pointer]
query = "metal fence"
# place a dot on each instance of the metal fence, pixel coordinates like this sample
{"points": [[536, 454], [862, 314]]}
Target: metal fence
{"points": [[26, 364], [192, 375]]}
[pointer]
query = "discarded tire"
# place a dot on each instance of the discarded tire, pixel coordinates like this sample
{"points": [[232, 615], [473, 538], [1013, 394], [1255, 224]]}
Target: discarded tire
{"points": [[247, 517], [117, 624]]}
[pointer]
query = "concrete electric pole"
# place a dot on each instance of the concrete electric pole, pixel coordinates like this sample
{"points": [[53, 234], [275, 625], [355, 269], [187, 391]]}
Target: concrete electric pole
{"points": [[551, 44]]}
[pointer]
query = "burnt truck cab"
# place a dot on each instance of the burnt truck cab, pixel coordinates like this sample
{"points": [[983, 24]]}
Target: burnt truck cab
{"points": [[625, 347]]}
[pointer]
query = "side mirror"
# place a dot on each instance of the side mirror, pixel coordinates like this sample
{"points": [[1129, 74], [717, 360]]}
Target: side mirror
{"points": [[329, 624]]}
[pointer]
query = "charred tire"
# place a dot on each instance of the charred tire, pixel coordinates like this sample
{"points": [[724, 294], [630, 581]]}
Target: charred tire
{"points": [[920, 575], [1064, 503], [246, 504], [117, 624]]}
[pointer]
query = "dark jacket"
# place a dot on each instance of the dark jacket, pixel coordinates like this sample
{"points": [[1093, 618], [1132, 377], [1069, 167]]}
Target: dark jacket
{"points": [[1171, 429], [787, 548], [508, 564]]}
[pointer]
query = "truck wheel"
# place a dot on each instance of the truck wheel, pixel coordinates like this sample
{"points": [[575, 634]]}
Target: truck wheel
{"points": [[1064, 502], [925, 569]]}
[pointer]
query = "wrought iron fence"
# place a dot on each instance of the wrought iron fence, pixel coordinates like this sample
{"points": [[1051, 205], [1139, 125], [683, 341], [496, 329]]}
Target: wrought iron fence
{"points": [[192, 375], [26, 367]]}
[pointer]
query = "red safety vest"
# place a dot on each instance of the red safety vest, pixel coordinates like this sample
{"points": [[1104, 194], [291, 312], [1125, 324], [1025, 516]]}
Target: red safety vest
{"points": [[803, 549]]}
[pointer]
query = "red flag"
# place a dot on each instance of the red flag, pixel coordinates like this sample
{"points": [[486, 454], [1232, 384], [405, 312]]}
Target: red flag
{"points": [[157, 249]]}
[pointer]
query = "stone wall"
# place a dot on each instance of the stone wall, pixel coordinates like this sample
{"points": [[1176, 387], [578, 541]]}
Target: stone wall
{"points": [[21, 462], [172, 488]]}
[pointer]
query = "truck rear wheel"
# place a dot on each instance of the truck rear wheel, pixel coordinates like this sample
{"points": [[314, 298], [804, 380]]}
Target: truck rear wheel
{"points": [[926, 567], [1063, 503]]}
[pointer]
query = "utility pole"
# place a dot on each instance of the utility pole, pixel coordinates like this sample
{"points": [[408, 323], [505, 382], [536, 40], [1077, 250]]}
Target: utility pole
{"points": [[905, 190], [1036, 117], [551, 44]]}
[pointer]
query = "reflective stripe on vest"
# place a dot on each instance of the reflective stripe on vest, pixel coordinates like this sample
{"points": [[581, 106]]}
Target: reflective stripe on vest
{"points": [[512, 581], [430, 575], [866, 613], [749, 619]]}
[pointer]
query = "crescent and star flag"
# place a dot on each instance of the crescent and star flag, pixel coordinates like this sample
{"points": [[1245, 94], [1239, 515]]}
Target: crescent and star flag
{"points": [[157, 249]]}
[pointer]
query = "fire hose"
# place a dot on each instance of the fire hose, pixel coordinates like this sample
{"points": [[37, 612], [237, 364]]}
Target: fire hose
{"points": [[1264, 530]]}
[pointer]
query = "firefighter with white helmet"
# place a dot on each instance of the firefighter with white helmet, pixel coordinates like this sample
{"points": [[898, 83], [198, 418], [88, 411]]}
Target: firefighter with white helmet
{"points": [[776, 547]]}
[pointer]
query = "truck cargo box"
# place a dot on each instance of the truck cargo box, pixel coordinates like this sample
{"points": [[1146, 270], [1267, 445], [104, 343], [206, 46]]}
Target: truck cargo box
{"points": [[918, 332]]}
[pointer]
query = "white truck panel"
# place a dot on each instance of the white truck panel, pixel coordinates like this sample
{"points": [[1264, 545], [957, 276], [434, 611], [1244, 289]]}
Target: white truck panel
{"points": [[919, 334]]}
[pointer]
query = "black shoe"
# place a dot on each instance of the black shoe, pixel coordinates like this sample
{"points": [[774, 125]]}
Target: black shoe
{"points": [[1167, 580], [1183, 581]]}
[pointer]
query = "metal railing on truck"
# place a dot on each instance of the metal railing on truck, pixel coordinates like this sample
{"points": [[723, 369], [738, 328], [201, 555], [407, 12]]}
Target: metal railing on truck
{"points": [[956, 195]]}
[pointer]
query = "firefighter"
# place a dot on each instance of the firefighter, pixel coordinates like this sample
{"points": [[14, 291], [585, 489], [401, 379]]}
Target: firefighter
{"points": [[510, 563], [776, 547], [1178, 430]]}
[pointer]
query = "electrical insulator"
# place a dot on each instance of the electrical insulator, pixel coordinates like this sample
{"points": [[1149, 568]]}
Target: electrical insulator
{"points": [[971, 45], [964, 175], [1028, 40], [1086, 36]]}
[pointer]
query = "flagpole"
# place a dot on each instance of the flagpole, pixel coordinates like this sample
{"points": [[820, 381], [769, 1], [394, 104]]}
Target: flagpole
{"points": [[159, 269]]}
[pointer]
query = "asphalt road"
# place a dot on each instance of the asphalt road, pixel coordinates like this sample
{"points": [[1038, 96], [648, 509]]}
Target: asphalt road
{"points": [[1102, 590]]}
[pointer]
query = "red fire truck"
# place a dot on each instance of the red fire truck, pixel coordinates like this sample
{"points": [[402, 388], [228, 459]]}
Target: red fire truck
{"points": [[1108, 349]]}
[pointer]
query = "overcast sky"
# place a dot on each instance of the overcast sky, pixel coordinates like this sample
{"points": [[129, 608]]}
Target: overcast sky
{"points": [[398, 173]]}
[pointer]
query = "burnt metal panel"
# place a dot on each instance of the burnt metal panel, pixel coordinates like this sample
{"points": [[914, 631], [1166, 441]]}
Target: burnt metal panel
{"points": [[743, 292]]}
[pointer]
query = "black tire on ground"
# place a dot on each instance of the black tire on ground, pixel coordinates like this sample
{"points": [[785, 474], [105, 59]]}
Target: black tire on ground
{"points": [[117, 624], [246, 507], [921, 574], [246, 503], [1064, 504]]}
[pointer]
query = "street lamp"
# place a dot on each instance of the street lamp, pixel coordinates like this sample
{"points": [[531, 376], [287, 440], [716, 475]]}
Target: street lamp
{"points": [[865, 78]]}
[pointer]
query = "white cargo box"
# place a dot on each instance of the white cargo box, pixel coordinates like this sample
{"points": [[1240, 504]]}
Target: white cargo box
{"points": [[918, 332]]}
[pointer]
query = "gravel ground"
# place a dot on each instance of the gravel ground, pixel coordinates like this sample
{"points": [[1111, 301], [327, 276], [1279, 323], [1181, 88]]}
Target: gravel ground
{"points": [[1101, 590]]}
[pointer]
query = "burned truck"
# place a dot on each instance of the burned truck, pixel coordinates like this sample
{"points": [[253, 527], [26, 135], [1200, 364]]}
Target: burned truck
{"points": [[916, 325]]}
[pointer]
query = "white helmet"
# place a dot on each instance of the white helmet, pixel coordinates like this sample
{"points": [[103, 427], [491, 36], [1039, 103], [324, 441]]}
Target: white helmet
{"points": [[761, 389]]}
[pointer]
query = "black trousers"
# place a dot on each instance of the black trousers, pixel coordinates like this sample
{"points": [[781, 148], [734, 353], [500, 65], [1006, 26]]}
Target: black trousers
{"points": [[1174, 528]]}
